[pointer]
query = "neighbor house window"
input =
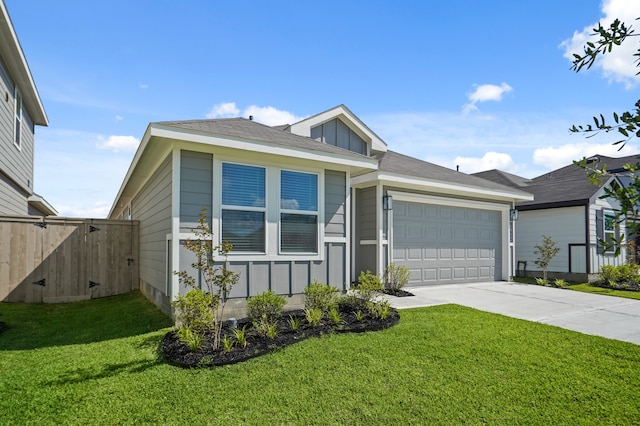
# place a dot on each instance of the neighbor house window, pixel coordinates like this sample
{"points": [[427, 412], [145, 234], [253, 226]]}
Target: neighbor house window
{"points": [[298, 212], [243, 207], [609, 228], [18, 120]]}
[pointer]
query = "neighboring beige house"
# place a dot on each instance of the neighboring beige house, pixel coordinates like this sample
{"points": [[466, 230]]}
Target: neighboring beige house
{"points": [[21, 111], [321, 199]]}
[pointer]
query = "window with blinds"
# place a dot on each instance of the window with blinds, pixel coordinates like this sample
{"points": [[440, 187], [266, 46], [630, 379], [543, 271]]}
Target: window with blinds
{"points": [[298, 212], [243, 207]]}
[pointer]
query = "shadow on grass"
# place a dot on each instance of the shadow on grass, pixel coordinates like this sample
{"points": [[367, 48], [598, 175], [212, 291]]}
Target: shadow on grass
{"points": [[31, 326]]}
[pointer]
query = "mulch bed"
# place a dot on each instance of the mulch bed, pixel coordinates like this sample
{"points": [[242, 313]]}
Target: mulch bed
{"points": [[398, 293], [629, 286], [179, 354]]}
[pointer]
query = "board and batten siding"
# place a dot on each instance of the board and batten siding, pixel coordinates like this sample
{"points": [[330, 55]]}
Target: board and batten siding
{"points": [[15, 163], [365, 229], [196, 187], [599, 259], [334, 203], [286, 277], [152, 207], [564, 225]]}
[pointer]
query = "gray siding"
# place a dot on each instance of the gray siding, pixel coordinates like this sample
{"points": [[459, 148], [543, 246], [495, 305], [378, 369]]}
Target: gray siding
{"points": [[16, 164], [152, 207], [196, 187], [334, 203], [13, 201], [366, 213], [364, 228], [284, 277], [337, 133], [565, 225]]}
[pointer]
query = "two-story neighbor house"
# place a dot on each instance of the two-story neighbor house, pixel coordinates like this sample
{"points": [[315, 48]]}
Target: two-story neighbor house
{"points": [[321, 199], [21, 110]]}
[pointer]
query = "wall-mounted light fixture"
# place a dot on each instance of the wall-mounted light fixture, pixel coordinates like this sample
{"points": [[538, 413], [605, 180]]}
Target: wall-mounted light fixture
{"points": [[387, 202], [513, 214]]}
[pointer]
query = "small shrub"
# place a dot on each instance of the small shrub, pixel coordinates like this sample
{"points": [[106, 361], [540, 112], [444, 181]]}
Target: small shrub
{"points": [[227, 343], [380, 309], [267, 304], [559, 283], [313, 316], [541, 281], [351, 303], [272, 331], [263, 326], [321, 296], [191, 338], [240, 335], [396, 277], [359, 316], [368, 286], [334, 315], [195, 311], [294, 322], [618, 275]]}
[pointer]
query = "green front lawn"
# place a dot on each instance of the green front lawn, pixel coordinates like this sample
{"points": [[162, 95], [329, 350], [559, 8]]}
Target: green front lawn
{"points": [[97, 363], [589, 288]]}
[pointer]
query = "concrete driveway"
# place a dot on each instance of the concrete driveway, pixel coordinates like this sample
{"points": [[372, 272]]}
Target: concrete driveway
{"points": [[606, 316]]}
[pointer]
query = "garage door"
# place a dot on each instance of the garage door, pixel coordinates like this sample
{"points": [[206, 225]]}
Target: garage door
{"points": [[442, 244]]}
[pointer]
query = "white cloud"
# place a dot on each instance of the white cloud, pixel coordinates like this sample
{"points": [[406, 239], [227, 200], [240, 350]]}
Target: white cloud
{"points": [[271, 116], [266, 115], [118, 143], [223, 110], [485, 92], [554, 157], [119, 118], [143, 86], [489, 161], [98, 209], [506, 142], [617, 65]]}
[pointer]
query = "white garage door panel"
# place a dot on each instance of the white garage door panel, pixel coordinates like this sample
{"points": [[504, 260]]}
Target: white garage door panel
{"points": [[442, 244]]}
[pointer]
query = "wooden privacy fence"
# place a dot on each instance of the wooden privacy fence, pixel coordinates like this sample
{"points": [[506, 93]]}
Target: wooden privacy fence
{"points": [[55, 260]]}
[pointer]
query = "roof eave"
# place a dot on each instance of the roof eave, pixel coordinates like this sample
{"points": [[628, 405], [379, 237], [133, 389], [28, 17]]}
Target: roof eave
{"points": [[392, 179], [18, 68]]}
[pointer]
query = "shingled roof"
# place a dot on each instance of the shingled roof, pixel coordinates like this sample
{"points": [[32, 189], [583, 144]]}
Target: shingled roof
{"points": [[504, 178], [250, 130], [570, 185], [393, 162]]}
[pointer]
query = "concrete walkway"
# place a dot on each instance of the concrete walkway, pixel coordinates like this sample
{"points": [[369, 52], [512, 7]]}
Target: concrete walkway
{"points": [[606, 316]]}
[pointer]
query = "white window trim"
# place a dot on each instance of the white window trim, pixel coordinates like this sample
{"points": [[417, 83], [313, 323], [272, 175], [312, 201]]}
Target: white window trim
{"points": [[606, 232], [246, 208], [17, 132], [272, 216], [315, 213]]}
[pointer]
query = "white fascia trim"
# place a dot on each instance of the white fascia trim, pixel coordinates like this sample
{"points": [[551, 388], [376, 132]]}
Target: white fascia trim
{"points": [[391, 179], [600, 191], [447, 201], [19, 69], [136, 158], [303, 127], [261, 147], [41, 204]]}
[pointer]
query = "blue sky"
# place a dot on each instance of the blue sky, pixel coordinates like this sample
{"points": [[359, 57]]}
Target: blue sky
{"points": [[479, 84]]}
